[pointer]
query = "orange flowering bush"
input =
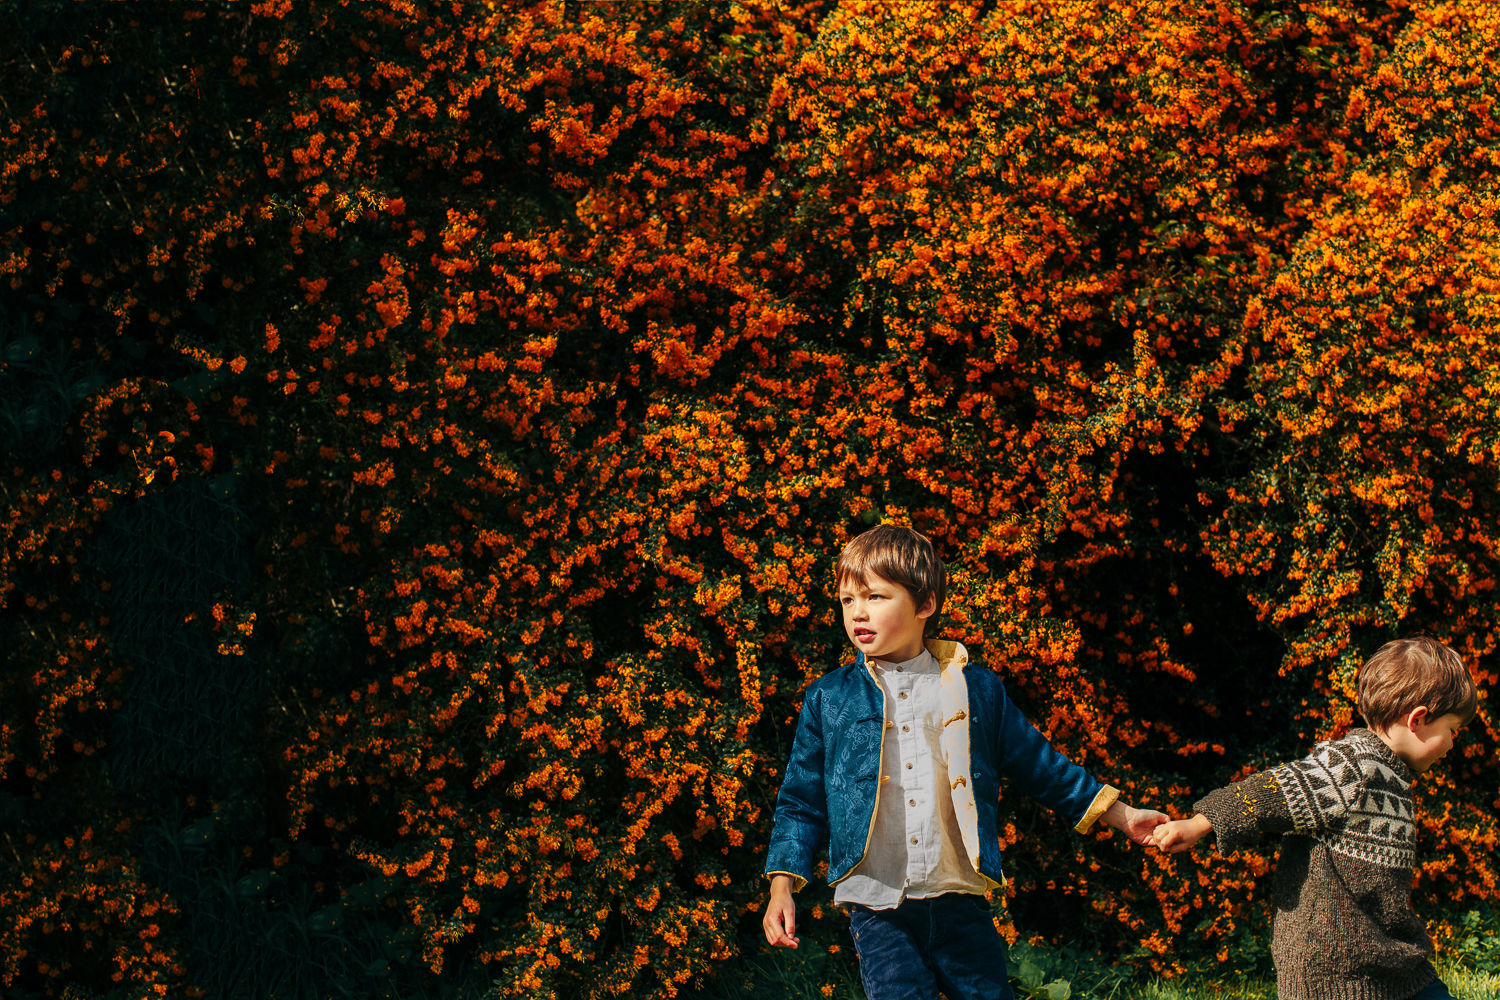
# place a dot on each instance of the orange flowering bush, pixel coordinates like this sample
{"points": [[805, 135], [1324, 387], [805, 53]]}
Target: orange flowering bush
{"points": [[429, 430]]}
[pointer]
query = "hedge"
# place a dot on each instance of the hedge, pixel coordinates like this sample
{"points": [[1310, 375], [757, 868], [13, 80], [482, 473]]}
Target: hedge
{"points": [[429, 429]]}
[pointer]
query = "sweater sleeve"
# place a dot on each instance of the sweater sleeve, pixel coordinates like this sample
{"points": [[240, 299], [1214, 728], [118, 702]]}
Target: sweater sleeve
{"points": [[1311, 796], [1245, 810]]}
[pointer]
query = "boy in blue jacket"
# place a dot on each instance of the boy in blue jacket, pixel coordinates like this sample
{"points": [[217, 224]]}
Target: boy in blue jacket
{"points": [[897, 760]]}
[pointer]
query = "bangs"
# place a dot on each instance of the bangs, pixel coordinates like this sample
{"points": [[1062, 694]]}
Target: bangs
{"points": [[897, 554]]}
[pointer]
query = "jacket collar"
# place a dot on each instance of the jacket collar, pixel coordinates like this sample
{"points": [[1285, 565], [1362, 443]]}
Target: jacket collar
{"points": [[949, 654]]}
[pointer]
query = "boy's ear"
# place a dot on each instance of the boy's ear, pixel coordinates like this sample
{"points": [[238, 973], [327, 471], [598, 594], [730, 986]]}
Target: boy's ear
{"points": [[928, 607], [1417, 717]]}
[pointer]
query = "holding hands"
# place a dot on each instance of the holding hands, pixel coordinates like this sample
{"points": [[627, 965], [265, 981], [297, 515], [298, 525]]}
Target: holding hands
{"points": [[1180, 834], [1137, 824], [1150, 828]]}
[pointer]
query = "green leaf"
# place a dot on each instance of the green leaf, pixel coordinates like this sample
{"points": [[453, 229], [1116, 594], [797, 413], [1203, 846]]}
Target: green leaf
{"points": [[254, 884], [326, 919], [199, 833]]}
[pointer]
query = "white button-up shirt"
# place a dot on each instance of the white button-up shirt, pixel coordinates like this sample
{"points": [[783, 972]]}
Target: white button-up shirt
{"points": [[915, 849]]}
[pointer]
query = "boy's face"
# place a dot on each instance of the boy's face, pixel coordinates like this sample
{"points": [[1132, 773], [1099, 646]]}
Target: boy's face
{"points": [[881, 619], [1422, 740]]}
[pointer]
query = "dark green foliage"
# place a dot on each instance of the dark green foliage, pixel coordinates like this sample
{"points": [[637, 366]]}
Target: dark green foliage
{"points": [[426, 429], [1476, 941], [189, 710], [280, 932]]}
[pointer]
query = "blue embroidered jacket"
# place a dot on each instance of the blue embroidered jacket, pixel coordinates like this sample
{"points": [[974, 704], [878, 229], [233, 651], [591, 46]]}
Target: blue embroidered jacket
{"points": [[833, 780]]}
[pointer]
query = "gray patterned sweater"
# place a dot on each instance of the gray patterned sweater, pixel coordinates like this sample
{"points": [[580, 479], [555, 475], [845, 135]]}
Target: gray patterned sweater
{"points": [[1344, 928]]}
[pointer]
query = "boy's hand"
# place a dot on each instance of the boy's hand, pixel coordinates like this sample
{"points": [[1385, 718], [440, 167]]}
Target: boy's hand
{"points": [[1137, 824], [780, 921], [1181, 834]]}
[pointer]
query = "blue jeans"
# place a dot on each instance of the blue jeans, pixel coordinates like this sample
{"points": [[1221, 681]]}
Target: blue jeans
{"points": [[946, 943], [1435, 991]]}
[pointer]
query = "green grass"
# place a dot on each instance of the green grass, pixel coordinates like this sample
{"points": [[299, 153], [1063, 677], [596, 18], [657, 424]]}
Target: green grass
{"points": [[1462, 983], [1202, 989], [1466, 985], [804, 974], [784, 973]]}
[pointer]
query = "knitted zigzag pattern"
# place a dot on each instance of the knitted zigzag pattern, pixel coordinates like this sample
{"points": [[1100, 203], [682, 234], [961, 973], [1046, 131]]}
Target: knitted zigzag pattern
{"points": [[1350, 798]]}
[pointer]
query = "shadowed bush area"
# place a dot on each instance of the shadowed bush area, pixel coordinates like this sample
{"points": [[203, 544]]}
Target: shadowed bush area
{"points": [[428, 430]]}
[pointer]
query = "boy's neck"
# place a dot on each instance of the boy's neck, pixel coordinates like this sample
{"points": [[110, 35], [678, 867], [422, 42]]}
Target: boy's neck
{"points": [[1395, 737], [1384, 736], [903, 655]]}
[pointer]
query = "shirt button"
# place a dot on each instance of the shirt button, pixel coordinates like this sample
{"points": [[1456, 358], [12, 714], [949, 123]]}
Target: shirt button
{"points": [[906, 729], [899, 669], [911, 802], [908, 767], [914, 840], [903, 695]]}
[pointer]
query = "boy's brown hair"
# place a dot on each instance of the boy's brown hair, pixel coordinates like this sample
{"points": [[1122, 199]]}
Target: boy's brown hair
{"points": [[901, 556], [1414, 672]]}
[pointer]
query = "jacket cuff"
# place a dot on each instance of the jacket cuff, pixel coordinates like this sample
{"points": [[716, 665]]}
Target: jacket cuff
{"points": [[797, 880], [1106, 798]]}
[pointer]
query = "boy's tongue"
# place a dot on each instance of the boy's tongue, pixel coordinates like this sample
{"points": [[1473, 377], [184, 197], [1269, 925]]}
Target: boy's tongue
{"points": [[863, 634]]}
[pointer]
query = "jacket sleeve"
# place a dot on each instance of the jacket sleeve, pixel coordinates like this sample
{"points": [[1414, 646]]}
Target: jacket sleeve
{"points": [[802, 805], [1034, 766], [1245, 810]]}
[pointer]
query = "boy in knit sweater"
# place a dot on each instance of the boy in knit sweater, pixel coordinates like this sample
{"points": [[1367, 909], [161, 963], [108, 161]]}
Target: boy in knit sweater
{"points": [[1344, 928], [897, 763]]}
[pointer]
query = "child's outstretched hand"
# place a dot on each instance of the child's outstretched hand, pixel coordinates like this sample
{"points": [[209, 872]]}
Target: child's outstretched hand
{"points": [[1181, 834], [1137, 824], [780, 921]]}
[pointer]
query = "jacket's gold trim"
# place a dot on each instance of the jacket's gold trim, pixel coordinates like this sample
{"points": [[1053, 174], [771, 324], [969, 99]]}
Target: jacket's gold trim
{"points": [[953, 690], [797, 880], [1106, 798]]}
